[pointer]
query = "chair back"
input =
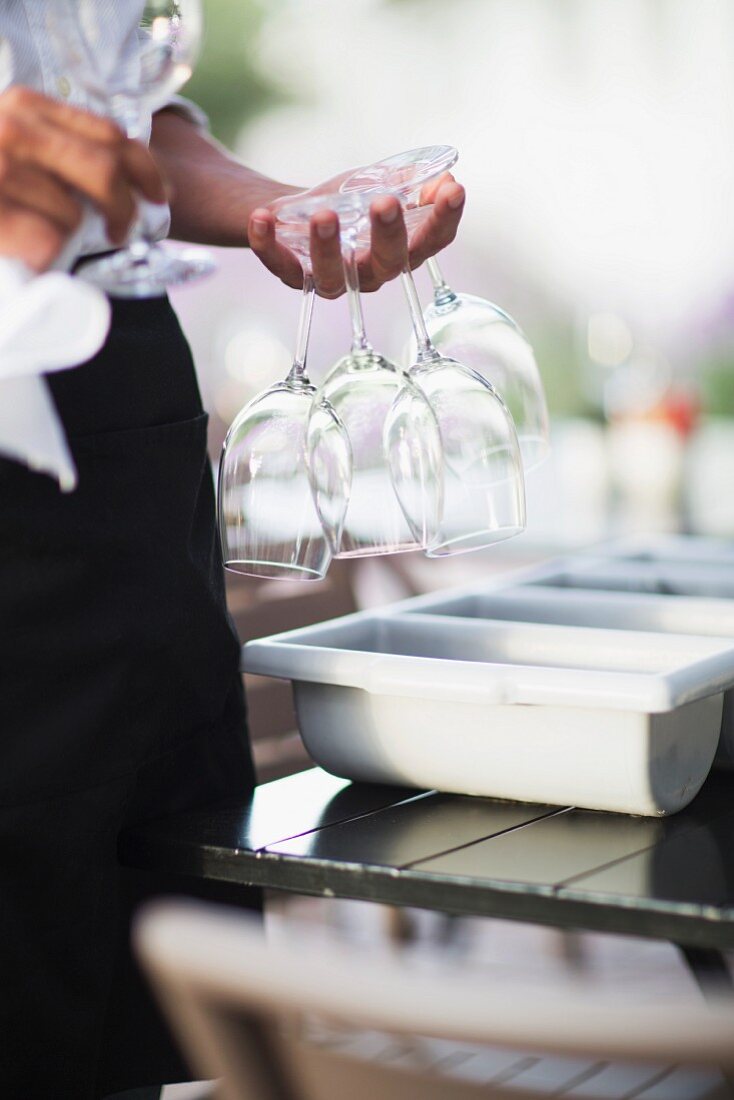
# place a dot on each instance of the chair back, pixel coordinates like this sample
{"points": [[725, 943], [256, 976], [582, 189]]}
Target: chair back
{"points": [[303, 1021]]}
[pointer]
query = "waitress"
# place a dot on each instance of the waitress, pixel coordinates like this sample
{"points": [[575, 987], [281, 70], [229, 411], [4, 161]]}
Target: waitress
{"points": [[120, 696]]}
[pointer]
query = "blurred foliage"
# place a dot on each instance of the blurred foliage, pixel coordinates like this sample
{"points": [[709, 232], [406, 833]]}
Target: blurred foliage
{"points": [[716, 376], [227, 82]]}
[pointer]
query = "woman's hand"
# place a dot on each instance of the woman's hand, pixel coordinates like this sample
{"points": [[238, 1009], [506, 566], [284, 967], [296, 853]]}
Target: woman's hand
{"points": [[216, 197], [390, 250], [54, 156]]}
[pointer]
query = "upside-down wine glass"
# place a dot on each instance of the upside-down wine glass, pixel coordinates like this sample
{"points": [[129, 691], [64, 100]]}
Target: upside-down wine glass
{"points": [[484, 337], [270, 513], [484, 488], [160, 46], [396, 493], [484, 498]]}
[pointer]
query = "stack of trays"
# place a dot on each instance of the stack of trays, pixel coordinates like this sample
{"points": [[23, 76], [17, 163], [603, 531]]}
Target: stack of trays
{"points": [[598, 680]]}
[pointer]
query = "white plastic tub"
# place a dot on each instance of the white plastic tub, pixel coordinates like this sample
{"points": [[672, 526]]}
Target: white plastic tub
{"points": [[606, 719], [654, 575], [691, 549], [611, 610]]}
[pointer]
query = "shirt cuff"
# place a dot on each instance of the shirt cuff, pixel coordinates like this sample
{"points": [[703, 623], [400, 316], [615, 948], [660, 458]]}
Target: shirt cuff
{"points": [[185, 108]]}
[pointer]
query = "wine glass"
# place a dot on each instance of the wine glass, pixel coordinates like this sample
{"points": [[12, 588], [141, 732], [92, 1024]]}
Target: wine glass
{"points": [[484, 498], [484, 337], [396, 495], [159, 47], [484, 488], [271, 509]]}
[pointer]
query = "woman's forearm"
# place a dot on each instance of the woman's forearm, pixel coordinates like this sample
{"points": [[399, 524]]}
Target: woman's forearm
{"points": [[213, 194]]}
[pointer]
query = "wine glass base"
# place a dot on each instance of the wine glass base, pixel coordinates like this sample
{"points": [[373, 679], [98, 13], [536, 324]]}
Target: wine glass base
{"points": [[404, 173], [127, 275], [274, 570], [475, 540]]}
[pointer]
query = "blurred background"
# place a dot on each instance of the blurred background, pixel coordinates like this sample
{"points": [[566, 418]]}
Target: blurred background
{"points": [[596, 142]]}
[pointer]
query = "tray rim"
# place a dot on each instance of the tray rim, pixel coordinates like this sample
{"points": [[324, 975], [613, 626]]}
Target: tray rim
{"points": [[285, 656]]}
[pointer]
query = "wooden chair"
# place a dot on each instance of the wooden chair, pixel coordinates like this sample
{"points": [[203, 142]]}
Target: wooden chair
{"points": [[303, 1021]]}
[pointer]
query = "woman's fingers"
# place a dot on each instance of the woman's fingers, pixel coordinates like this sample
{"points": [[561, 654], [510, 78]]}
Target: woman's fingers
{"points": [[87, 154], [29, 236], [276, 257], [29, 187], [93, 169], [136, 162], [388, 253], [431, 189], [384, 260], [142, 172], [440, 228], [326, 254]]}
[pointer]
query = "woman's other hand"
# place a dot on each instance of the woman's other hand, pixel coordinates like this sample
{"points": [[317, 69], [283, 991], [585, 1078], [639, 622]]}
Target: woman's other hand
{"points": [[53, 157]]}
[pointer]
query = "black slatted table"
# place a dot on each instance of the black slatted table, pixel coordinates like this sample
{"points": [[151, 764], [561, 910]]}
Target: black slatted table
{"points": [[311, 833]]}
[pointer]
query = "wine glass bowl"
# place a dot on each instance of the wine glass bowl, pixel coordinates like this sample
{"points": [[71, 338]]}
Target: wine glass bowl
{"points": [[268, 521], [285, 472], [482, 336], [484, 495], [395, 502], [170, 42]]}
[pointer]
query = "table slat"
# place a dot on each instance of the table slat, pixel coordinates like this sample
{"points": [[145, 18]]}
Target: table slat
{"points": [[550, 850], [693, 866], [402, 835], [275, 811]]}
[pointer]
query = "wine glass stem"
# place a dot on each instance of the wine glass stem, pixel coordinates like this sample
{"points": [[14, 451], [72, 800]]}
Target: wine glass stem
{"points": [[127, 113], [298, 370], [439, 283], [442, 292], [139, 244], [426, 349], [351, 275]]}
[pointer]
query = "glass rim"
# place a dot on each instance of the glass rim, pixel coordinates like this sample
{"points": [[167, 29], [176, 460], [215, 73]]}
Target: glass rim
{"points": [[448, 547], [375, 551], [280, 570]]}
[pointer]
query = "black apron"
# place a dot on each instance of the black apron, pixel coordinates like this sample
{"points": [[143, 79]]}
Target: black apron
{"points": [[120, 701]]}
